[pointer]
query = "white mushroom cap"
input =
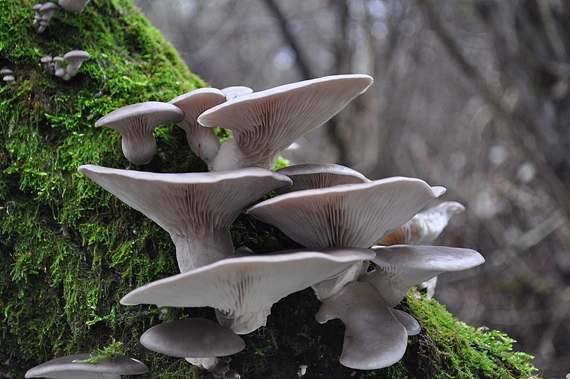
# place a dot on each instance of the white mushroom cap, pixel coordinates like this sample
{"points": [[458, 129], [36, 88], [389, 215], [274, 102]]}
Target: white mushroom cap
{"points": [[374, 338], [311, 176], [67, 368], [48, 10], [74, 6], [355, 215], [424, 227], [193, 337], [196, 208], [136, 123], [236, 91], [203, 141], [400, 267], [243, 289], [75, 59], [265, 123], [6, 71]]}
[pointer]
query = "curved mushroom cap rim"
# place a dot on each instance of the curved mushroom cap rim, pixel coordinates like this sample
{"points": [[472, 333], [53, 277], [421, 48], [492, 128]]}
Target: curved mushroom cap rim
{"points": [[75, 54], [344, 188], [185, 178], [429, 258], [171, 113], [192, 337], [121, 365], [320, 168], [192, 95]]}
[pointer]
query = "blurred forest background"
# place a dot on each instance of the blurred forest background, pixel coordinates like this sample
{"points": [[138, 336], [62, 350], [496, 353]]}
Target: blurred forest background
{"points": [[473, 95]]}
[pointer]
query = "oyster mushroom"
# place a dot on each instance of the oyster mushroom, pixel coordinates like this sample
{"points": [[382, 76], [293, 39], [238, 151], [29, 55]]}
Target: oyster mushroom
{"points": [[196, 209], [243, 289], [136, 123], [265, 123], [75, 59]]}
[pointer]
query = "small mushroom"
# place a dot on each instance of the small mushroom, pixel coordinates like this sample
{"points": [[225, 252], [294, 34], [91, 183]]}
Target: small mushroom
{"points": [[410, 323], [400, 267], [312, 176], [62, 73], [75, 59], [265, 123], [47, 11], [243, 289], [71, 367], [48, 64], [37, 16], [196, 208], [73, 6], [10, 79], [203, 141], [374, 338], [6, 71], [232, 374], [136, 123]]}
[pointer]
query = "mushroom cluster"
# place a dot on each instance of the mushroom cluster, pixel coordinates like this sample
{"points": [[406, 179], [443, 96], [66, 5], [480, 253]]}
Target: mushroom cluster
{"points": [[336, 213], [44, 12], [74, 59], [8, 76]]}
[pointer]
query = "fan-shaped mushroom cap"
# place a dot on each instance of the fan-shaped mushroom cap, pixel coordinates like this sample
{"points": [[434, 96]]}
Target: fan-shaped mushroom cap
{"points": [[374, 338], [312, 176], [193, 337], [68, 368], [196, 208], [400, 267], [203, 141], [75, 59], [243, 289], [355, 215], [424, 227], [265, 123], [136, 122]]}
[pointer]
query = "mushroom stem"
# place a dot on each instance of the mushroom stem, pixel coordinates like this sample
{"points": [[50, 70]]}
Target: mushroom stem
{"points": [[211, 245], [203, 141]]}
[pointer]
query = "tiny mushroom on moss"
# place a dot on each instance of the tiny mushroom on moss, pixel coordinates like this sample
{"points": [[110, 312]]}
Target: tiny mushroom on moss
{"points": [[203, 141], [10, 79], [314, 175], [193, 338], [47, 62], [374, 338], [71, 367], [400, 267], [47, 11], [136, 123], [265, 123], [243, 289], [75, 59], [196, 208]]}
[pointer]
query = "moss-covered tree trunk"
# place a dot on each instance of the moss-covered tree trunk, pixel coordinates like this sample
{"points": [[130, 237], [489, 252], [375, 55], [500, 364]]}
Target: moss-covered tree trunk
{"points": [[70, 251]]}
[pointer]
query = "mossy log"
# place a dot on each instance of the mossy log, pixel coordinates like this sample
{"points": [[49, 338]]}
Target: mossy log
{"points": [[70, 251]]}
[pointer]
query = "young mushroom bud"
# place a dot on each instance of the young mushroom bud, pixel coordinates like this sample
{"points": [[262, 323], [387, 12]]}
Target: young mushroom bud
{"points": [[48, 64], [9, 79], [37, 17]]}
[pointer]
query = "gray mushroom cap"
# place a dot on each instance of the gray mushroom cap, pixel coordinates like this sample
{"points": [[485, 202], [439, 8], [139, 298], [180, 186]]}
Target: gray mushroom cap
{"points": [[314, 175], [196, 208], [6, 71], [67, 368], [203, 141], [73, 6], [48, 10], [400, 267], [136, 123], [75, 59], [234, 92], [193, 337], [374, 338], [243, 289], [266, 122], [355, 215]]}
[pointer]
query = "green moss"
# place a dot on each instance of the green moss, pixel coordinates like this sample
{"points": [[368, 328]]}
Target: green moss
{"points": [[70, 250]]}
